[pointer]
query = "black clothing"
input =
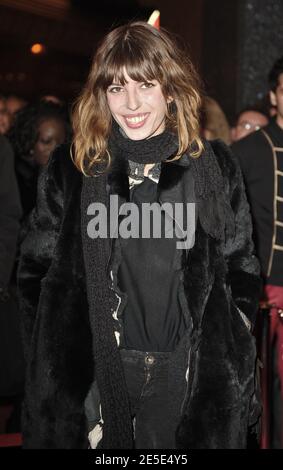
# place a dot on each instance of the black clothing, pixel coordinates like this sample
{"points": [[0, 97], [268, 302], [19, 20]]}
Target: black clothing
{"points": [[221, 274], [108, 368], [10, 212], [215, 217], [153, 150], [27, 175], [152, 317], [11, 354], [208, 181], [258, 164], [154, 420]]}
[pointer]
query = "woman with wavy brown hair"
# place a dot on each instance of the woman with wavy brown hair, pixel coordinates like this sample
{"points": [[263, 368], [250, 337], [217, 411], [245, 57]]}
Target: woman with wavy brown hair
{"points": [[138, 283], [151, 55]]}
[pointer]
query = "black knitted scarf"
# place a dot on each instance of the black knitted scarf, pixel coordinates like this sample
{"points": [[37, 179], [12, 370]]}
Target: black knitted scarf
{"points": [[154, 150], [117, 427]]}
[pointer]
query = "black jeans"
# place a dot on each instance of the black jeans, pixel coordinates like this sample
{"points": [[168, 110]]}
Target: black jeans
{"points": [[146, 376]]}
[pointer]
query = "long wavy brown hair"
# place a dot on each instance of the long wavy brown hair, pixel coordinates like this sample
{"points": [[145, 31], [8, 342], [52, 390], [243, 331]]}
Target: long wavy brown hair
{"points": [[147, 54]]}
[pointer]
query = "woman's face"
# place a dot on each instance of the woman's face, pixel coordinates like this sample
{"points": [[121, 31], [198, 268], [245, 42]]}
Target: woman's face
{"points": [[138, 107], [51, 132]]}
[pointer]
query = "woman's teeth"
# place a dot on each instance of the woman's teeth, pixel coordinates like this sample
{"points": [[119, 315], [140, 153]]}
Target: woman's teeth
{"points": [[136, 119]]}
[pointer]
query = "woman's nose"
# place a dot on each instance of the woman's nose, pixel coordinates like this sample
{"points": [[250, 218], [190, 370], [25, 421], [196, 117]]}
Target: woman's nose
{"points": [[133, 100]]}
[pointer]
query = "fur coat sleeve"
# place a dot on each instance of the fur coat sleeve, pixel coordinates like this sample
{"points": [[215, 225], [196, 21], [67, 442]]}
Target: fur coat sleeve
{"points": [[38, 246], [243, 265]]}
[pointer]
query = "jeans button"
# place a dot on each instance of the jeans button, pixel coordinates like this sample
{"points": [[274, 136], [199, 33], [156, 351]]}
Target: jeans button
{"points": [[149, 359]]}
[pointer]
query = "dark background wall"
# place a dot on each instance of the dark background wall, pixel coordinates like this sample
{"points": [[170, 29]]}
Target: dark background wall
{"points": [[219, 52], [232, 42], [260, 43]]}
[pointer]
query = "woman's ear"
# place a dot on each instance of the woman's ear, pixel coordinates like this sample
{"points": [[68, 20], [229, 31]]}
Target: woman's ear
{"points": [[170, 99]]}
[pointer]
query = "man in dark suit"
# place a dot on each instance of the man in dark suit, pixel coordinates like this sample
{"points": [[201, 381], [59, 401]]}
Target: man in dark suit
{"points": [[261, 159]]}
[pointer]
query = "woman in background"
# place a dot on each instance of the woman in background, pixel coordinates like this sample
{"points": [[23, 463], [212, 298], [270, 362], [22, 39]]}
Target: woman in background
{"points": [[214, 122], [37, 130]]}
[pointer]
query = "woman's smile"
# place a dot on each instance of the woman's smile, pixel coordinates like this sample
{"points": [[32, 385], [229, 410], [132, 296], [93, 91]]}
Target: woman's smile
{"points": [[135, 121]]}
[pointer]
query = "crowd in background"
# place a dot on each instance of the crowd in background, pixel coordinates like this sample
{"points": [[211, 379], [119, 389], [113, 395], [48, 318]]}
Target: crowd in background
{"points": [[29, 132]]}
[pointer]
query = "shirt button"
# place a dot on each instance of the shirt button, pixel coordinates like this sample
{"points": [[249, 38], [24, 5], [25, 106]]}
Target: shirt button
{"points": [[149, 360]]}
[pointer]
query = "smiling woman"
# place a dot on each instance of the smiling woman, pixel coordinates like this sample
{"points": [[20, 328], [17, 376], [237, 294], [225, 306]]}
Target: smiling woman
{"points": [[138, 336], [138, 107]]}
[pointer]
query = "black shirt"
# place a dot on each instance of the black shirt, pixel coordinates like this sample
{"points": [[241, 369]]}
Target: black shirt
{"points": [[150, 275]]}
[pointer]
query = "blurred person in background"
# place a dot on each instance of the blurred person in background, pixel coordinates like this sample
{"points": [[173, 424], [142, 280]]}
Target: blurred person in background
{"points": [[5, 119], [214, 122], [14, 104], [52, 99], [272, 111], [10, 212], [37, 130], [11, 353], [248, 121], [261, 158]]}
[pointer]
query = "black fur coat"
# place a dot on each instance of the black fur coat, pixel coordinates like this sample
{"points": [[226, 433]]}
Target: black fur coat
{"points": [[220, 278]]}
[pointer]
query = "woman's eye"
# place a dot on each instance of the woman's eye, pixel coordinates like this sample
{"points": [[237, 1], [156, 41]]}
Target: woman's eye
{"points": [[147, 85], [115, 89]]}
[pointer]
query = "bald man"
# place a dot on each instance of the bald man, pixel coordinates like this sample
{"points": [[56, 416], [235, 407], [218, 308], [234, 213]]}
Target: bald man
{"points": [[248, 121]]}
